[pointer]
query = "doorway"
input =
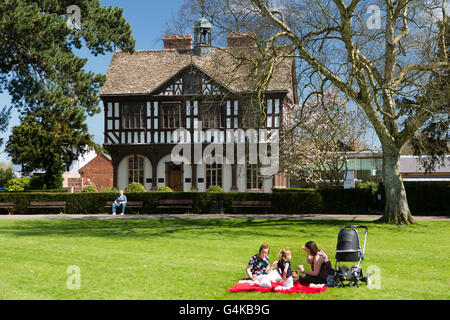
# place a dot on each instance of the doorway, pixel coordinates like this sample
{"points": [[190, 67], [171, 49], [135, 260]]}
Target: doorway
{"points": [[174, 176]]}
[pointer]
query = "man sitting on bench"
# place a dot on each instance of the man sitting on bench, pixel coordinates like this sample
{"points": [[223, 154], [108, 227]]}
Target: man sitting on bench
{"points": [[121, 201]]}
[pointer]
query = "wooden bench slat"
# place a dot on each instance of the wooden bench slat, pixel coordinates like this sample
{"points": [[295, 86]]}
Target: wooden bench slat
{"points": [[9, 206], [175, 204], [129, 203], [251, 203], [55, 203], [170, 201]]}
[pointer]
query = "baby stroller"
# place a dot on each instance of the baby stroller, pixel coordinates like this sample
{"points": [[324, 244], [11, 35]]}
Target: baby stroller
{"points": [[348, 249]]}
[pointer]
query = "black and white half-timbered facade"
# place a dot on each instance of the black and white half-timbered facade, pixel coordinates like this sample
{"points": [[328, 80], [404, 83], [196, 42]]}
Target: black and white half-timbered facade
{"points": [[151, 93]]}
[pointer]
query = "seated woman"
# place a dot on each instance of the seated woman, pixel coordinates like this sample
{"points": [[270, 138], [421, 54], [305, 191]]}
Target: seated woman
{"points": [[259, 264], [320, 265]]}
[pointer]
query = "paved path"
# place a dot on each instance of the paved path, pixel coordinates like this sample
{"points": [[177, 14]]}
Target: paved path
{"points": [[207, 216]]}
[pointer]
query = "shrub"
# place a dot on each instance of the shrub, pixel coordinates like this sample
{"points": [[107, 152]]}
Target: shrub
{"points": [[215, 189], [90, 189], [5, 176], [18, 184], [134, 187], [111, 190], [369, 185], [165, 189]]}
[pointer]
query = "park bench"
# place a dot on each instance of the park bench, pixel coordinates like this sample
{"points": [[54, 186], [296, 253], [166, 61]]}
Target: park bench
{"points": [[9, 206], [130, 204], [48, 205], [169, 204], [251, 204]]}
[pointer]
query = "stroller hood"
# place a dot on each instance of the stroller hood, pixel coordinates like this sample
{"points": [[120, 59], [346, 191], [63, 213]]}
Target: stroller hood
{"points": [[348, 239]]}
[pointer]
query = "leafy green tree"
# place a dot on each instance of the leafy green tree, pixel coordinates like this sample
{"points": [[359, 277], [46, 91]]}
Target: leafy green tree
{"points": [[37, 44], [49, 139], [47, 80]]}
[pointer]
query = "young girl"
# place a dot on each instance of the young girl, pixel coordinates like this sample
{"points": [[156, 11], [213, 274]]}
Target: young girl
{"points": [[284, 268]]}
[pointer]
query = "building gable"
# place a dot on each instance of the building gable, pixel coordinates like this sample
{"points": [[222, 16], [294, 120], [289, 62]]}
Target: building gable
{"points": [[191, 81]]}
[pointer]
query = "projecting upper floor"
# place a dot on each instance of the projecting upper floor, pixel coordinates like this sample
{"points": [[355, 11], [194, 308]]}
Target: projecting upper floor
{"points": [[148, 94]]}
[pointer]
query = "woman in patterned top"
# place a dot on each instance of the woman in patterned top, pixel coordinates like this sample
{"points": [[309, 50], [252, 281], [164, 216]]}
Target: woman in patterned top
{"points": [[259, 264], [320, 265]]}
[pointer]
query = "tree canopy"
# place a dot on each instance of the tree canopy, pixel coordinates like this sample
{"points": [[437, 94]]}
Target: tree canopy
{"points": [[47, 81], [375, 52]]}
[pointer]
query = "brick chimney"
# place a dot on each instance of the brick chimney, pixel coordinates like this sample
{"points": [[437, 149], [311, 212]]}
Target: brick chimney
{"points": [[236, 40], [179, 42]]}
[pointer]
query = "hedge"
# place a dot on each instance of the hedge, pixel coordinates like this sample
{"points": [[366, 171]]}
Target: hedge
{"points": [[432, 200]]}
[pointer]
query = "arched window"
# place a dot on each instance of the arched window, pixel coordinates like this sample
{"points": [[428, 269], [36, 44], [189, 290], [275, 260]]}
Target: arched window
{"points": [[136, 169], [213, 175], [254, 180]]}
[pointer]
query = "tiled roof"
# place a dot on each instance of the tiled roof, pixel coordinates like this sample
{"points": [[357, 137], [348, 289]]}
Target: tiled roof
{"points": [[144, 71]]}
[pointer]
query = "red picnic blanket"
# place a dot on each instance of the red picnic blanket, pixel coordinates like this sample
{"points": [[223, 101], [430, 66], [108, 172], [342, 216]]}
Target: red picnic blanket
{"points": [[247, 285]]}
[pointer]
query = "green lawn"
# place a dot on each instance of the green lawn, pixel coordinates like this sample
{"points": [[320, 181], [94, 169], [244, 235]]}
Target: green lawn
{"points": [[201, 259]]}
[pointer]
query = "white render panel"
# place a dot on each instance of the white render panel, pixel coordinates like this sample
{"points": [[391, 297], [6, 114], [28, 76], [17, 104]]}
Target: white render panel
{"points": [[149, 108], [228, 108], [109, 108], [122, 174], [113, 138], [277, 105], [201, 171], [227, 177], [117, 124], [109, 125], [188, 108], [269, 106], [155, 137], [195, 107], [155, 109], [187, 169], [241, 177], [116, 109], [235, 107], [268, 184], [155, 123]]}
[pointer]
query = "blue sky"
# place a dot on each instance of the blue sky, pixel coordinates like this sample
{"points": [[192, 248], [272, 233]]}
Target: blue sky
{"points": [[148, 20]]}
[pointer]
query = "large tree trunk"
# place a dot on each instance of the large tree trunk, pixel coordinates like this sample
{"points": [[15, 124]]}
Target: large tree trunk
{"points": [[396, 209]]}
